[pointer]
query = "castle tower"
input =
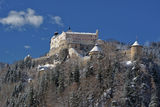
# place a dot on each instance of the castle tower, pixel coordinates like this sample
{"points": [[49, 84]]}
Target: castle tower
{"points": [[95, 50], [136, 51]]}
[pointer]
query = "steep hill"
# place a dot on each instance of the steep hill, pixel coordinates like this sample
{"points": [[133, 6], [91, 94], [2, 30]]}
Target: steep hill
{"points": [[106, 80]]}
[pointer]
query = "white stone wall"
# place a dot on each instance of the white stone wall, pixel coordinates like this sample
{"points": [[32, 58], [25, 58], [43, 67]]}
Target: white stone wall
{"points": [[55, 40], [74, 38], [82, 38]]}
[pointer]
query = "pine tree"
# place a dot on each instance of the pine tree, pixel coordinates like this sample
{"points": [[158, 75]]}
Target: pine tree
{"points": [[56, 80], [61, 83], [76, 75], [89, 71], [31, 96], [74, 100], [100, 78], [71, 79], [55, 75]]}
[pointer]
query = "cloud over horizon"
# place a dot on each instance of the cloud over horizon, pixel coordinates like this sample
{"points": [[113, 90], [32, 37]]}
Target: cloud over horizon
{"points": [[21, 18], [57, 20]]}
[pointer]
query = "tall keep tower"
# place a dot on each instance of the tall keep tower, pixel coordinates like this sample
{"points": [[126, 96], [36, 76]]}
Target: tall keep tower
{"points": [[136, 51]]}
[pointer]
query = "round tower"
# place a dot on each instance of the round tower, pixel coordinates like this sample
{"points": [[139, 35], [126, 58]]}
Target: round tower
{"points": [[136, 51], [95, 51]]}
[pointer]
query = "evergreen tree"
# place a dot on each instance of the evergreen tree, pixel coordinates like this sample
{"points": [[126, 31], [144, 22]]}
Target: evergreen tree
{"points": [[55, 75], [28, 62], [154, 101], [76, 75], [89, 71], [57, 79], [31, 96], [61, 83], [71, 78], [74, 100], [100, 78]]}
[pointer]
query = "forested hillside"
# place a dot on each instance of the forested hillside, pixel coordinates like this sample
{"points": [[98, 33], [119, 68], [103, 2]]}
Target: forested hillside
{"points": [[106, 80]]}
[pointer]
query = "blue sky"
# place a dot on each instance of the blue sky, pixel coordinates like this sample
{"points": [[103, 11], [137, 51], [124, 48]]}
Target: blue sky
{"points": [[26, 26]]}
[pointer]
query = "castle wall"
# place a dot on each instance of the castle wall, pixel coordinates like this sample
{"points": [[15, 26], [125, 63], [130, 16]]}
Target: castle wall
{"points": [[81, 38], [77, 40], [58, 40]]}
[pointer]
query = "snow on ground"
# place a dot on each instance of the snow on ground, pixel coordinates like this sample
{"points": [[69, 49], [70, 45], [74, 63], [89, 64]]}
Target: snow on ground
{"points": [[72, 51], [29, 80], [128, 62], [133, 67], [135, 78], [45, 67]]}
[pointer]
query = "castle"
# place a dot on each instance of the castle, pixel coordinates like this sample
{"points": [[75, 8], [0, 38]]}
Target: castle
{"points": [[81, 41], [77, 40]]}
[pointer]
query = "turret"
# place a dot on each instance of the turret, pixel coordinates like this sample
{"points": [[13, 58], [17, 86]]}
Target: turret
{"points": [[136, 51], [95, 50], [27, 57]]}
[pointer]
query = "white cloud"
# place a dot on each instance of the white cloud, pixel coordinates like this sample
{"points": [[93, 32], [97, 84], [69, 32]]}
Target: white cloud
{"points": [[21, 18], [27, 47], [57, 20]]}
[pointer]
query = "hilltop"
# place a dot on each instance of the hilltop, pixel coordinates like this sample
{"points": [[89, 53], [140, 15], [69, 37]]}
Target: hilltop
{"points": [[97, 74], [110, 80]]}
